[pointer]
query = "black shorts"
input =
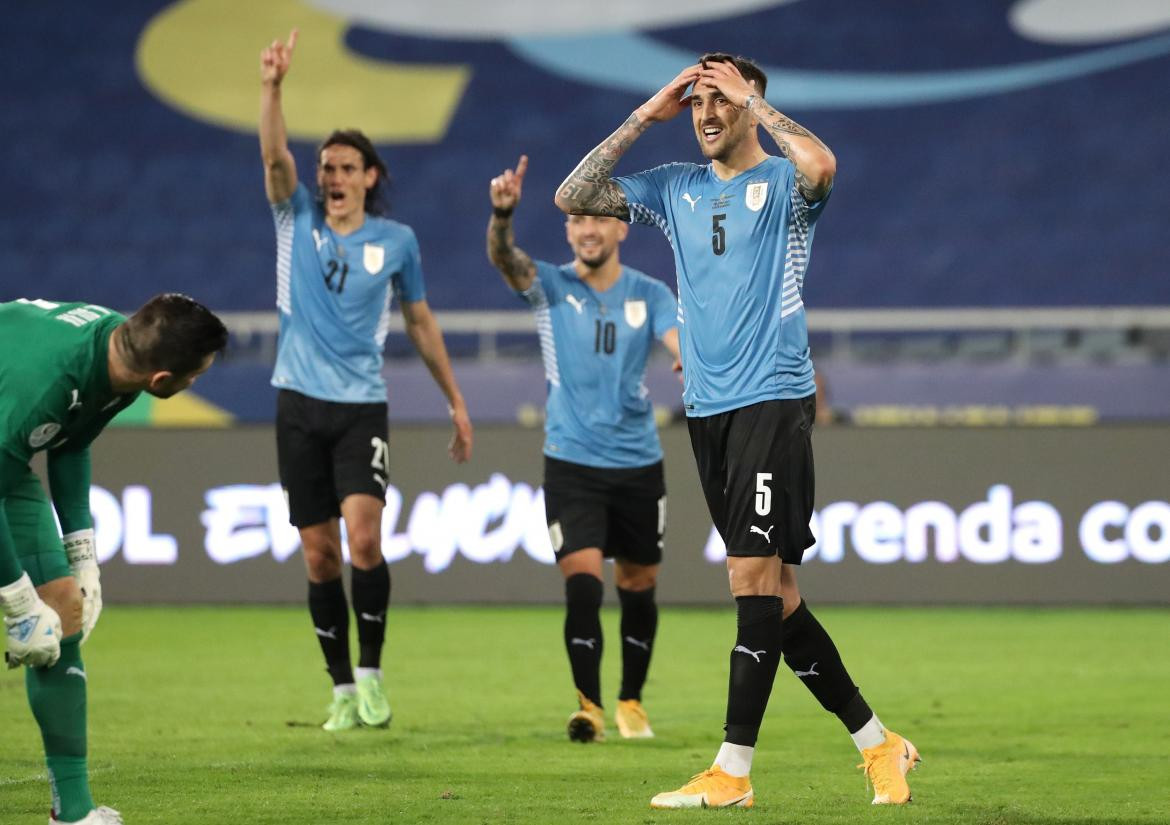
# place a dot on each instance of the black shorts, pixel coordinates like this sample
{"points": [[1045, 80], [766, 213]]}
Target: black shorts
{"points": [[622, 510], [327, 451], [756, 468]]}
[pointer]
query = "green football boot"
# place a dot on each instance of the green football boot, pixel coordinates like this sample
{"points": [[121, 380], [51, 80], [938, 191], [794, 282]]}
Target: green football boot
{"points": [[373, 708], [343, 713]]}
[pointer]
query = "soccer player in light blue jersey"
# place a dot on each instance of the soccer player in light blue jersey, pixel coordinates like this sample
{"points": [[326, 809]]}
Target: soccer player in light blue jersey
{"points": [[604, 493], [339, 265], [741, 227]]}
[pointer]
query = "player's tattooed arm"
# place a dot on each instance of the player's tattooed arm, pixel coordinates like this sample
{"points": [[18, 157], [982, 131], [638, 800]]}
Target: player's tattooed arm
{"points": [[514, 263], [814, 161], [589, 190]]}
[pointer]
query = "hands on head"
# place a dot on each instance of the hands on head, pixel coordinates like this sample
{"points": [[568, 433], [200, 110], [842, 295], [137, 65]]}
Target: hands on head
{"points": [[276, 59], [506, 188], [673, 98]]}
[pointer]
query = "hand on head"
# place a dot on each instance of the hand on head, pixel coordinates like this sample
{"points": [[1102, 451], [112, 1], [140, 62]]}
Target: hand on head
{"points": [[726, 78], [671, 98], [276, 59], [506, 188]]}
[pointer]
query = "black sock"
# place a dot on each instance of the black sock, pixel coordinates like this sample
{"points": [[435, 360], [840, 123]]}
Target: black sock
{"points": [[583, 594], [371, 597], [330, 616], [753, 665], [639, 624], [813, 657]]}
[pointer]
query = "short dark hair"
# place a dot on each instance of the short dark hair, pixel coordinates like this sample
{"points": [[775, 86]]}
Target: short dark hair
{"points": [[171, 333], [750, 71], [376, 202]]}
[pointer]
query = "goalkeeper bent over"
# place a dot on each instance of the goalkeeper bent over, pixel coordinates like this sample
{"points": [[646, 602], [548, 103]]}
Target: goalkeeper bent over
{"points": [[66, 370]]}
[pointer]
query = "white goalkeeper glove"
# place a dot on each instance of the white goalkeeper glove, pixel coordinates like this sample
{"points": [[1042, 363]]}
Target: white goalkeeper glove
{"points": [[82, 554], [32, 628]]}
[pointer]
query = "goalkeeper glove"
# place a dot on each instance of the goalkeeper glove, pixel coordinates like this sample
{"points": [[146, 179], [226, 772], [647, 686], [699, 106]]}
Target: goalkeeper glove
{"points": [[82, 555], [32, 628]]}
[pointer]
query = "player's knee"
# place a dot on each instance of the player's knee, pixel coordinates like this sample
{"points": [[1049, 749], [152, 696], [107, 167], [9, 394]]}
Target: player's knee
{"points": [[584, 591], [323, 561], [636, 581], [64, 596], [365, 548]]}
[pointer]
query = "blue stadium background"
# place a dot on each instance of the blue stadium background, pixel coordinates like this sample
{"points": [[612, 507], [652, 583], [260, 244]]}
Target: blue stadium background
{"points": [[1050, 195]]}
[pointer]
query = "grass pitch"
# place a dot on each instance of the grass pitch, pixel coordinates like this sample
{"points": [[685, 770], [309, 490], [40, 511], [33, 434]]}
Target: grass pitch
{"points": [[210, 715]]}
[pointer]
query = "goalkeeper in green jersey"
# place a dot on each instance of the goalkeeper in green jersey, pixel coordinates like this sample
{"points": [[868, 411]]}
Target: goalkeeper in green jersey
{"points": [[66, 369]]}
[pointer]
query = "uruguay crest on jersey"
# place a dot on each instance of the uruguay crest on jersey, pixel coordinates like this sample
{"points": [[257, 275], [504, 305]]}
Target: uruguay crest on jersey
{"points": [[755, 196], [635, 313], [373, 258]]}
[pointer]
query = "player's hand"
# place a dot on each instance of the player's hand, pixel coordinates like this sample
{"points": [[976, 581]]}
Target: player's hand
{"points": [[82, 554], [32, 628], [460, 447], [276, 59], [670, 99], [726, 78], [506, 188]]}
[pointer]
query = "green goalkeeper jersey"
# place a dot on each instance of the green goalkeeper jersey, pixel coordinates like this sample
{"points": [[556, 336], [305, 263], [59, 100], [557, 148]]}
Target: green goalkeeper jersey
{"points": [[55, 395], [54, 376]]}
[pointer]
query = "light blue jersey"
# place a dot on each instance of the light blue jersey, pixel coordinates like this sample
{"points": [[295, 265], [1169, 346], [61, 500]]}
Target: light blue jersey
{"points": [[741, 248], [334, 294], [595, 346]]}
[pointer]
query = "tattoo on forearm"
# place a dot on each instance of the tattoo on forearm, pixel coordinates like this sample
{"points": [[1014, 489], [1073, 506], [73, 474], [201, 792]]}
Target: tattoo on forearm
{"points": [[512, 261], [589, 188], [781, 129]]}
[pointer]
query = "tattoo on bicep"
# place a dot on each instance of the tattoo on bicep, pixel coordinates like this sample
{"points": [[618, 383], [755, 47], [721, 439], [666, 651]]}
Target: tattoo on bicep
{"points": [[589, 188]]}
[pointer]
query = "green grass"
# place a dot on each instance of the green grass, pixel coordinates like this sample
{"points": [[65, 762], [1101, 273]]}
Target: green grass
{"points": [[209, 715]]}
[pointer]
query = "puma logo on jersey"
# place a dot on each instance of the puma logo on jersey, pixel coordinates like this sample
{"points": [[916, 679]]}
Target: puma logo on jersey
{"points": [[589, 643], [331, 633], [380, 618], [76, 671], [319, 240], [812, 671], [755, 529], [692, 201], [76, 402], [636, 643], [577, 303], [755, 654]]}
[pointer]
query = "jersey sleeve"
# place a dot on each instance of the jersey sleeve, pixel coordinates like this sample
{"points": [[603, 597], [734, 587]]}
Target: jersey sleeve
{"points": [[11, 470], [663, 309], [543, 290], [69, 480], [807, 212], [647, 193], [407, 282]]}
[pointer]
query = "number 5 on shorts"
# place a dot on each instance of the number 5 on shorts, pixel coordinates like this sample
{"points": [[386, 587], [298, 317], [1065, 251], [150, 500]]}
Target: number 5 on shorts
{"points": [[763, 494]]}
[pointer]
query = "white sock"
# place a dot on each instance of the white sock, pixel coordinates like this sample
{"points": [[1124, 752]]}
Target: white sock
{"points": [[735, 760], [871, 734], [360, 673], [345, 690]]}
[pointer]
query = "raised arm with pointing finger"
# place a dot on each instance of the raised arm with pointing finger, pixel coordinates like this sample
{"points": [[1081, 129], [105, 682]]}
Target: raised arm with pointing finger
{"points": [[341, 265], [280, 170]]}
